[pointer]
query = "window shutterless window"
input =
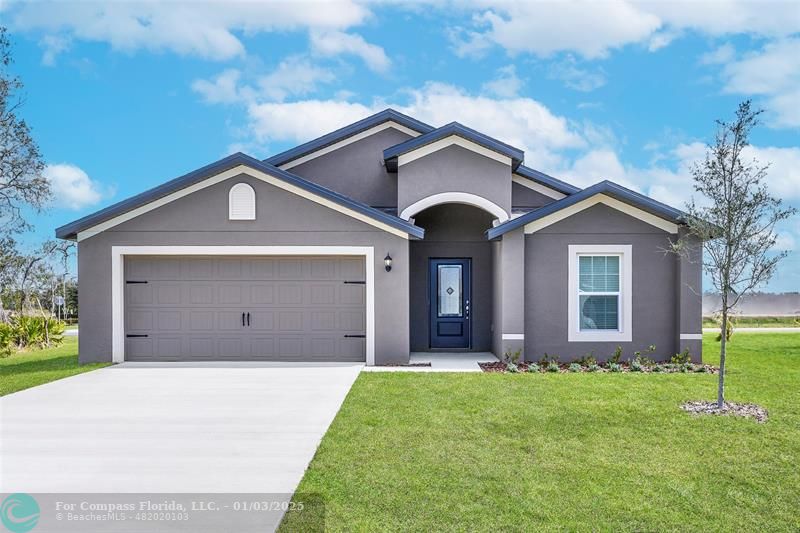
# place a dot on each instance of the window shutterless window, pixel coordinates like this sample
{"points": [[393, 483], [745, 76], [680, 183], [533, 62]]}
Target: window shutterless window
{"points": [[600, 293]]}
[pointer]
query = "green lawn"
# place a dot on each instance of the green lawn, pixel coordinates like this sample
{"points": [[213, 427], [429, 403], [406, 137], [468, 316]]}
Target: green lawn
{"points": [[585, 452], [31, 368]]}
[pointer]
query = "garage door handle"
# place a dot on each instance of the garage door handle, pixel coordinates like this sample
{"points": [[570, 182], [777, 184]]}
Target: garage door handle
{"points": [[355, 336], [355, 282], [248, 320], [131, 336], [242, 319]]}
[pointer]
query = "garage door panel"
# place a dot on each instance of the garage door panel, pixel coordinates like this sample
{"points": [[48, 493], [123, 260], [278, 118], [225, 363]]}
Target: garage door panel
{"points": [[191, 308]]}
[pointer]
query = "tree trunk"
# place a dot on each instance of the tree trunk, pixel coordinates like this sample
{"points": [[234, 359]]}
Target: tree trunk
{"points": [[723, 345]]}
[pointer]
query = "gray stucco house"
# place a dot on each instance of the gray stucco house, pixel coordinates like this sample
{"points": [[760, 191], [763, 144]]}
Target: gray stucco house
{"points": [[381, 238]]}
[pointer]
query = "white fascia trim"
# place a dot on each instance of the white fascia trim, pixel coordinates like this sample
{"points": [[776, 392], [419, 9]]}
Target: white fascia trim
{"points": [[455, 198], [349, 140], [635, 212], [118, 254], [428, 149], [513, 336], [624, 334], [691, 336], [538, 187], [213, 180]]}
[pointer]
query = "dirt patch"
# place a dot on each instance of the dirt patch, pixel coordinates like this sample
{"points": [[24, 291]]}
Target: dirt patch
{"points": [[746, 410]]}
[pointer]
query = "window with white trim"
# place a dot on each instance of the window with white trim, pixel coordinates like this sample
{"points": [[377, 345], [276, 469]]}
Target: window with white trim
{"points": [[242, 202], [600, 293]]}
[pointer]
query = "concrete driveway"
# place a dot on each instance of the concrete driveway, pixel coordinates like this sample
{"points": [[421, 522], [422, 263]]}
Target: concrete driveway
{"points": [[248, 428]]}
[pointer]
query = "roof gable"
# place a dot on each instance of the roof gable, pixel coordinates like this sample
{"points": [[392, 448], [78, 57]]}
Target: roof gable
{"points": [[289, 157], [607, 192], [219, 171], [455, 130]]}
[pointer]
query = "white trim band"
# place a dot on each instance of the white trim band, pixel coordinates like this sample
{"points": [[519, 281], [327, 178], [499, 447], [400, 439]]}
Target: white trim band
{"points": [[635, 212], [349, 140], [691, 336], [455, 198], [538, 187], [435, 146], [513, 336], [233, 172], [118, 254]]}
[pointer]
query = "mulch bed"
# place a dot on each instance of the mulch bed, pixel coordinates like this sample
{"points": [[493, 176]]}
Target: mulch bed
{"points": [[746, 410], [497, 366]]}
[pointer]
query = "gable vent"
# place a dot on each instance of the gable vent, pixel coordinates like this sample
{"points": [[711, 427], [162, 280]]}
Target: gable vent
{"points": [[242, 202]]}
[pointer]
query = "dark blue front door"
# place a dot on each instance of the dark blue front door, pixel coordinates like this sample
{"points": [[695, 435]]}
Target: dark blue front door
{"points": [[449, 296]]}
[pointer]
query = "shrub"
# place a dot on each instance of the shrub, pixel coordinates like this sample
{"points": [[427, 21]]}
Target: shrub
{"points": [[575, 367], [614, 359], [658, 368], [587, 360], [700, 369], [6, 339], [594, 368], [615, 367], [681, 358], [643, 360], [512, 357], [533, 367], [546, 359], [511, 367], [552, 366], [636, 366], [29, 331]]}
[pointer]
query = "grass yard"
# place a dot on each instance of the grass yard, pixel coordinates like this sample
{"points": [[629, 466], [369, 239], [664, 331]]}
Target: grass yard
{"points": [[586, 452], [34, 367]]}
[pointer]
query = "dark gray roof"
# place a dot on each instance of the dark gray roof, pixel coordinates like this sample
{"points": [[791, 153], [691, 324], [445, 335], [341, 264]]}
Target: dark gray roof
{"points": [[70, 231], [348, 131], [544, 179], [606, 187], [391, 154]]}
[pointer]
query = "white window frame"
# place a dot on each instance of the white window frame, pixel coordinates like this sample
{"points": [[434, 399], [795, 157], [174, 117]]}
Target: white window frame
{"points": [[625, 308], [242, 212]]}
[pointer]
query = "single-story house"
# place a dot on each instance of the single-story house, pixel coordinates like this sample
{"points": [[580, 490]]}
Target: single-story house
{"points": [[385, 237]]}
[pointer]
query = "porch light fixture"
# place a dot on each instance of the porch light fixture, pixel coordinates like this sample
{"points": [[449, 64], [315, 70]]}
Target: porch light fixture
{"points": [[387, 262]]}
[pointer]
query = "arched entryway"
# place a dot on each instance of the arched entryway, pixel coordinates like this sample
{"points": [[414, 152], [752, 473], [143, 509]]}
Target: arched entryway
{"points": [[451, 285]]}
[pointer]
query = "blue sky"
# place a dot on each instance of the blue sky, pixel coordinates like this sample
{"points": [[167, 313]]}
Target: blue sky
{"points": [[124, 96]]}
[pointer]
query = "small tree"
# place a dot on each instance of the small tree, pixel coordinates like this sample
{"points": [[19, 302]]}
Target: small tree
{"points": [[735, 221]]}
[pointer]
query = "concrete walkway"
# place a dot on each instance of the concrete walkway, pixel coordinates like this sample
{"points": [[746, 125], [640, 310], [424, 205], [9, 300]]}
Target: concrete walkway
{"points": [[171, 427], [440, 362]]}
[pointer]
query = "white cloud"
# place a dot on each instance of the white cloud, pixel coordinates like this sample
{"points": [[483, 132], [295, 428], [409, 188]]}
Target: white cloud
{"points": [[333, 43], [205, 29], [506, 85], [294, 76], [521, 122], [593, 29], [719, 56], [785, 242], [574, 77], [774, 73], [222, 89], [53, 45], [72, 187], [590, 29]]}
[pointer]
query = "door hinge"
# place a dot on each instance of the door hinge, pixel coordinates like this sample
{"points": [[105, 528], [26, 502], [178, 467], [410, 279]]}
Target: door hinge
{"points": [[135, 336], [355, 282], [130, 282], [355, 336]]}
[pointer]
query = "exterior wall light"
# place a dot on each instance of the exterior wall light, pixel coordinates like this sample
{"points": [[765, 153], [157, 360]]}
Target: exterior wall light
{"points": [[387, 262]]}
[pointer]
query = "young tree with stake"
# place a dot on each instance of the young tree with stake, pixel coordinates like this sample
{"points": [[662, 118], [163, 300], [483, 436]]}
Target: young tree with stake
{"points": [[735, 220]]}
